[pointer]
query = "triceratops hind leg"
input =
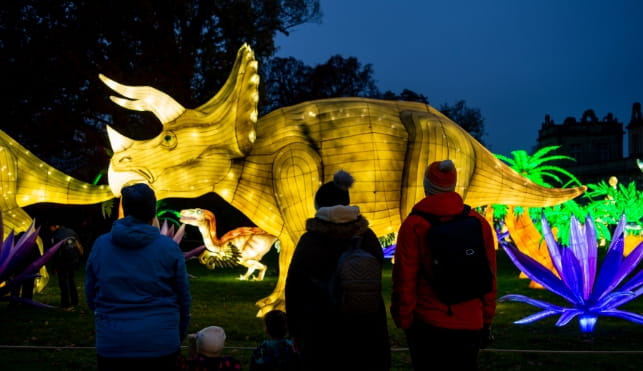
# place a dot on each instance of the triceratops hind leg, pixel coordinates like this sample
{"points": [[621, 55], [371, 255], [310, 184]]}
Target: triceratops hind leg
{"points": [[297, 175]]}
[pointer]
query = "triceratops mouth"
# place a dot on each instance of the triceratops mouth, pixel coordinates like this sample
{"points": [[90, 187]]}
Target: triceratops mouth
{"points": [[119, 179], [147, 175]]}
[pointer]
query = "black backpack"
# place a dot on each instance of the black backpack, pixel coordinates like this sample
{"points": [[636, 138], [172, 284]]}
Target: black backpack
{"points": [[355, 285], [460, 270]]}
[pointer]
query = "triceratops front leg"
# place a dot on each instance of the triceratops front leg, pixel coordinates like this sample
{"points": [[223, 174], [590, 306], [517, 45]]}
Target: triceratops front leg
{"points": [[297, 175]]}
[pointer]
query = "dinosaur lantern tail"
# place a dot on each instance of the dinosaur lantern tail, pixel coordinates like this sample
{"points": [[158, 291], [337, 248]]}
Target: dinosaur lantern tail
{"points": [[42, 182], [483, 179], [493, 182]]}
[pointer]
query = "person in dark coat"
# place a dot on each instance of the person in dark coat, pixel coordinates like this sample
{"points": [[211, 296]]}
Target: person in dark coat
{"points": [[326, 338], [137, 287], [65, 262]]}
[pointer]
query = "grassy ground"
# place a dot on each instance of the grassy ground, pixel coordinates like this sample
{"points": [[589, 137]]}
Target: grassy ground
{"points": [[61, 340]]}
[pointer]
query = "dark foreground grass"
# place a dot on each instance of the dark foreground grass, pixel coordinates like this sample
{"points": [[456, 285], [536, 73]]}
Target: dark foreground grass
{"points": [[46, 339]]}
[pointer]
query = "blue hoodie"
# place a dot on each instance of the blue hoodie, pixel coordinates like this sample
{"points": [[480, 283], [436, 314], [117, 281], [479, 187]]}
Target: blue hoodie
{"points": [[136, 284]]}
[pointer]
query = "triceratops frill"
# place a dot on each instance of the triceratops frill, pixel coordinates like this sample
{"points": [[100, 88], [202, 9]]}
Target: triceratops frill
{"points": [[270, 168]]}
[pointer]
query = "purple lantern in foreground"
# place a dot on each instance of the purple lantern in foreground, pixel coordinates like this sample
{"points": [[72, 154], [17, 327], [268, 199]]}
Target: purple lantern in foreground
{"points": [[389, 251], [177, 236], [591, 295], [13, 253]]}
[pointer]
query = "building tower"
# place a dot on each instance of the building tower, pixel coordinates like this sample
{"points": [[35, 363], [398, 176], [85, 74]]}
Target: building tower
{"points": [[635, 132]]}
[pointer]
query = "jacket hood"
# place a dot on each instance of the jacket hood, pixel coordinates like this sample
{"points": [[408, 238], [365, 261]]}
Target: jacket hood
{"points": [[447, 203], [132, 233], [338, 221], [338, 213]]}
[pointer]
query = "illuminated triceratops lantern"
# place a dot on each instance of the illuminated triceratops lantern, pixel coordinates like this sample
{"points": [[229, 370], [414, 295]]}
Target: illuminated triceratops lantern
{"points": [[270, 168]]}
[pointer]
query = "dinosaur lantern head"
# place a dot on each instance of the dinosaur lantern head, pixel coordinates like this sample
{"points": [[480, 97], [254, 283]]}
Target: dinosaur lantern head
{"points": [[209, 137]]}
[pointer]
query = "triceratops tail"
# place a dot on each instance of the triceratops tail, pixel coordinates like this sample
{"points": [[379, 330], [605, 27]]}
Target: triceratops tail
{"points": [[494, 182], [30, 180]]}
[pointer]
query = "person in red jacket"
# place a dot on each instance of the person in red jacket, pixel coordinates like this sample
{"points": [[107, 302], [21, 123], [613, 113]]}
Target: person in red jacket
{"points": [[439, 336]]}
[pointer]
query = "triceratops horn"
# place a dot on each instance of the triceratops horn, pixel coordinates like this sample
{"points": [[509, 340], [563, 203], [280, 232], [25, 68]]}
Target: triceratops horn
{"points": [[118, 141], [145, 98]]}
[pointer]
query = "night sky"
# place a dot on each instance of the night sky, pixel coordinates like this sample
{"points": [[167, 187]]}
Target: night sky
{"points": [[515, 60]]}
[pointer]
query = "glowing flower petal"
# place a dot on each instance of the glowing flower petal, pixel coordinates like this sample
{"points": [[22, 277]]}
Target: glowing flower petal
{"points": [[531, 301], [636, 318], [592, 257], [612, 300], [567, 316], [538, 273], [635, 282], [572, 274], [536, 317], [579, 244], [552, 246]]}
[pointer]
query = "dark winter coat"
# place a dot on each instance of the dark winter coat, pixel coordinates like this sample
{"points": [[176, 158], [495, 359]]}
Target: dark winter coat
{"points": [[324, 336]]}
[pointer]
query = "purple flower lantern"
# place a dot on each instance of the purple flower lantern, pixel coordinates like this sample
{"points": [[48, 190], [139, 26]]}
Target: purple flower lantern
{"points": [[590, 294]]}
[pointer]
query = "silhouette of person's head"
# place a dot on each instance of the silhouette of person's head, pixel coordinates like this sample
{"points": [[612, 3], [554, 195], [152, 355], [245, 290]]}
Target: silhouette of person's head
{"points": [[139, 201], [276, 324]]}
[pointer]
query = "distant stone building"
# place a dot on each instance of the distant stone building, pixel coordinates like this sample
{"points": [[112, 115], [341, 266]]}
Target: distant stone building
{"points": [[597, 146]]}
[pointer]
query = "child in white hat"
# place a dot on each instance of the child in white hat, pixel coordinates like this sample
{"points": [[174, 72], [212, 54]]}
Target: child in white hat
{"points": [[206, 348]]}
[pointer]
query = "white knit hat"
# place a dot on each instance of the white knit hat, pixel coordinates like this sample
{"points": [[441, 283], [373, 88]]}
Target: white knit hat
{"points": [[210, 341]]}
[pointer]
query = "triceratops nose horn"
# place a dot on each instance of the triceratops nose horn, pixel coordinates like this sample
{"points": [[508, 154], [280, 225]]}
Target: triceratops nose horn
{"points": [[118, 141], [145, 98]]}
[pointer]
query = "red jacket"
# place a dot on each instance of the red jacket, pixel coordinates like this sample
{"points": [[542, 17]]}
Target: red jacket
{"points": [[412, 297]]}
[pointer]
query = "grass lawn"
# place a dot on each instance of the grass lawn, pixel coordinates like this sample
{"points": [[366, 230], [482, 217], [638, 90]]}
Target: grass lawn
{"points": [[54, 339]]}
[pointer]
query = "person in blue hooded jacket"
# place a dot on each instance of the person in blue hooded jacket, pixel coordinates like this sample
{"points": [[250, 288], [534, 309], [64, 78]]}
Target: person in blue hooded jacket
{"points": [[136, 284]]}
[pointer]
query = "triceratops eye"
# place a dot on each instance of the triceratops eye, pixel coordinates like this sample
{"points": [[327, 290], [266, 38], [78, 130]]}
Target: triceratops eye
{"points": [[168, 139]]}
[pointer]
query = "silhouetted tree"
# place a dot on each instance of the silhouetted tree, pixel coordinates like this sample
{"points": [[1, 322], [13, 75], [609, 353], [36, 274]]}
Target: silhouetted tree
{"points": [[285, 81], [470, 119], [343, 77], [406, 95], [51, 53], [289, 81]]}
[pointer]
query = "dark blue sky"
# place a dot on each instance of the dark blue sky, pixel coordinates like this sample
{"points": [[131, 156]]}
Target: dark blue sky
{"points": [[515, 60]]}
